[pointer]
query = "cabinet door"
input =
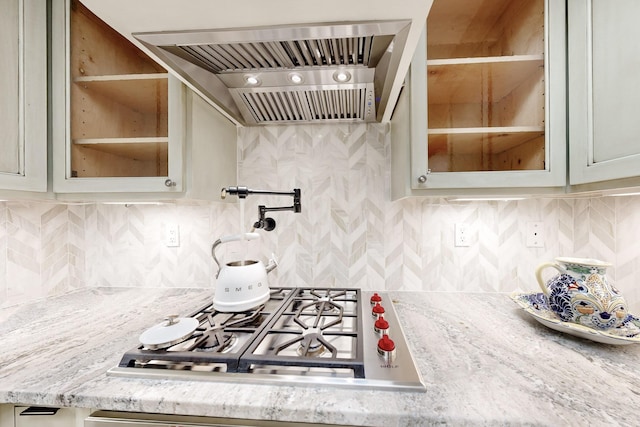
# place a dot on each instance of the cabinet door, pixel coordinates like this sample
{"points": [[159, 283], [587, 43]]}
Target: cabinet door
{"points": [[119, 117], [491, 104], [23, 95], [604, 90]]}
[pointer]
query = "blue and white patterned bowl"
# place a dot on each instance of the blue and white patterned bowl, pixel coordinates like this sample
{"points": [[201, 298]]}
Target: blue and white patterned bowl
{"points": [[537, 305]]}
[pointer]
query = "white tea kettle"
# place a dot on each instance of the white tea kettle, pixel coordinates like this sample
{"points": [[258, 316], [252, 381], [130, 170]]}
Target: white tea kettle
{"points": [[240, 285]]}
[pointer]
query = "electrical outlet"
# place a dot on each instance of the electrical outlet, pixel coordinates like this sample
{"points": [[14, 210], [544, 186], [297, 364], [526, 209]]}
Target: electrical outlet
{"points": [[535, 235], [172, 235], [462, 237]]}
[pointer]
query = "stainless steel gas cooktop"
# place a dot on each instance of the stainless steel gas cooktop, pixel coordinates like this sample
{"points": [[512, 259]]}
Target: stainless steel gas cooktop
{"points": [[301, 336]]}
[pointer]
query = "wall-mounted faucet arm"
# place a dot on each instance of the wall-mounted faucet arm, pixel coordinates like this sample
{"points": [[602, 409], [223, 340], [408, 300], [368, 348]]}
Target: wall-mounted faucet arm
{"points": [[243, 192], [263, 222]]}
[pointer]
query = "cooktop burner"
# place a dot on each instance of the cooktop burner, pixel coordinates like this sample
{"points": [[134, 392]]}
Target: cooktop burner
{"points": [[299, 336]]}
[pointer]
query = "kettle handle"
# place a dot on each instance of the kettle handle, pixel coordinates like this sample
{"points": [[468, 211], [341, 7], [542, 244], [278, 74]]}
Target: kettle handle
{"points": [[231, 238]]}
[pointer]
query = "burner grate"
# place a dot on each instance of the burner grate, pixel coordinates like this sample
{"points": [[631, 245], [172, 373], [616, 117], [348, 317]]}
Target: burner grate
{"points": [[313, 330], [309, 329], [218, 341]]}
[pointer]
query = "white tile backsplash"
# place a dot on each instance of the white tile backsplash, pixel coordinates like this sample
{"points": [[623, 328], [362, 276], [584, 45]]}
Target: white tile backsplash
{"points": [[348, 234]]}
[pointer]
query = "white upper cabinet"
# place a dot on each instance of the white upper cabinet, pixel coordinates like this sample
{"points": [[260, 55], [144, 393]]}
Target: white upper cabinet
{"points": [[486, 101], [23, 95], [118, 117], [123, 127], [604, 90]]}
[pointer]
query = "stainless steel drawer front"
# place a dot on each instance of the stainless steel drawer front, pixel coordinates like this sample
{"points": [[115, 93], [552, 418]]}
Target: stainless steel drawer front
{"points": [[131, 419]]}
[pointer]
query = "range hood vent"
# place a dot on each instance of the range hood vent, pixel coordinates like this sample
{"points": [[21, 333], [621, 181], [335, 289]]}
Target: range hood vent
{"points": [[219, 58], [289, 74], [308, 105]]}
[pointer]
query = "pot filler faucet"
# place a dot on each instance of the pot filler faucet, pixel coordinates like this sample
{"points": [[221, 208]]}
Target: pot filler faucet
{"points": [[263, 222]]}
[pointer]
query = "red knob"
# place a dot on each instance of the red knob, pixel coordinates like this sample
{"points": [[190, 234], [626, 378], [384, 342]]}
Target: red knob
{"points": [[381, 324], [377, 310], [386, 344], [375, 298]]}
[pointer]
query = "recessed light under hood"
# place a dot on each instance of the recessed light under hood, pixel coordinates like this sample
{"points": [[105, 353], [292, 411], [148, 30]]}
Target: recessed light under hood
{"points": [[299, 74]]}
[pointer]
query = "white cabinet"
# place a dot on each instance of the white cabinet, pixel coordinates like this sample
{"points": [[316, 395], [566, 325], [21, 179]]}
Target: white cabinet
{"points": [[486, 101], [23, 95], [123, 127], [118, 117], [604, 90]]}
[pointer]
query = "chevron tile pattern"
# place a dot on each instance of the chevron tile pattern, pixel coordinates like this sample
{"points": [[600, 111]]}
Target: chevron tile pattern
{"points": [[35, 251], [348, 234], [128, 248], [627, 238]]}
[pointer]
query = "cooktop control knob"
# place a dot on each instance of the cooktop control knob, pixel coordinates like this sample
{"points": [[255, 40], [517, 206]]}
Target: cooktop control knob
{"points": [[381, 326], [386, 347], [375, 299], [377, 310]]}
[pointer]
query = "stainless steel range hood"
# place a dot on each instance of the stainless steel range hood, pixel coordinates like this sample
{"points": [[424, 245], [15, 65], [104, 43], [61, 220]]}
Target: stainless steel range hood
{"points": [[289, 74]]}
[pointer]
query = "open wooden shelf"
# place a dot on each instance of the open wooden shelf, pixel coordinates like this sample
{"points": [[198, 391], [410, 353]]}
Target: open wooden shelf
{"points": [[119, 160], [462, 28], [487, 150], [139, 92], [466, 140], [97, 49], [486, 85], [476, 80], [141, 149], [119, 103]]}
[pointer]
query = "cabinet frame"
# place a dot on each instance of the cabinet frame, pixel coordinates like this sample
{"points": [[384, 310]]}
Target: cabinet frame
{"points": [[63, 182], [552, 179], [32, 139]]}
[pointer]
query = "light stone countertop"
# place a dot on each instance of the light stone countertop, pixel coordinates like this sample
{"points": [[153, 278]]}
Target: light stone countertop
{"points": [[483, 359]]}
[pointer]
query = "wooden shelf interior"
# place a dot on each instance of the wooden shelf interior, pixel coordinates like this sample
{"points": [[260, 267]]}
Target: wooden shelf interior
{"points": [[486, 85], [462, 28], [119, 159], [492, 92], [119, 103], [138, 92], [476, 81], [97, 49], [499, 150], [125, 108]]}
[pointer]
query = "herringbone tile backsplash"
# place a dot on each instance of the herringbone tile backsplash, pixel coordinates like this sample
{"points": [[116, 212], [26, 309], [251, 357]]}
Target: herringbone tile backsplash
{"points": [[348, 234]]}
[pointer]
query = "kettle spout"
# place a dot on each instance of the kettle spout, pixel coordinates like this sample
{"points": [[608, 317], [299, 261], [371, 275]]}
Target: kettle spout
{"points": [[273, 263]]}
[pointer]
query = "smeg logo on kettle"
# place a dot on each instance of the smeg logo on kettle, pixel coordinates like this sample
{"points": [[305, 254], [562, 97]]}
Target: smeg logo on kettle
{"points": [[239, 289]]}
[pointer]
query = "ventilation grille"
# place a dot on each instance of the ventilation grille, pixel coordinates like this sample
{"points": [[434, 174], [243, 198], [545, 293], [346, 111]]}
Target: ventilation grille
{"points": [[308, 105], [219, 58]]}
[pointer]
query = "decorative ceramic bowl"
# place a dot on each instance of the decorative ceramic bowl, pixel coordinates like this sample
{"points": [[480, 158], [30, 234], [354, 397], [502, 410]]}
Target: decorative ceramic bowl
{"points": [[536, 304]]}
